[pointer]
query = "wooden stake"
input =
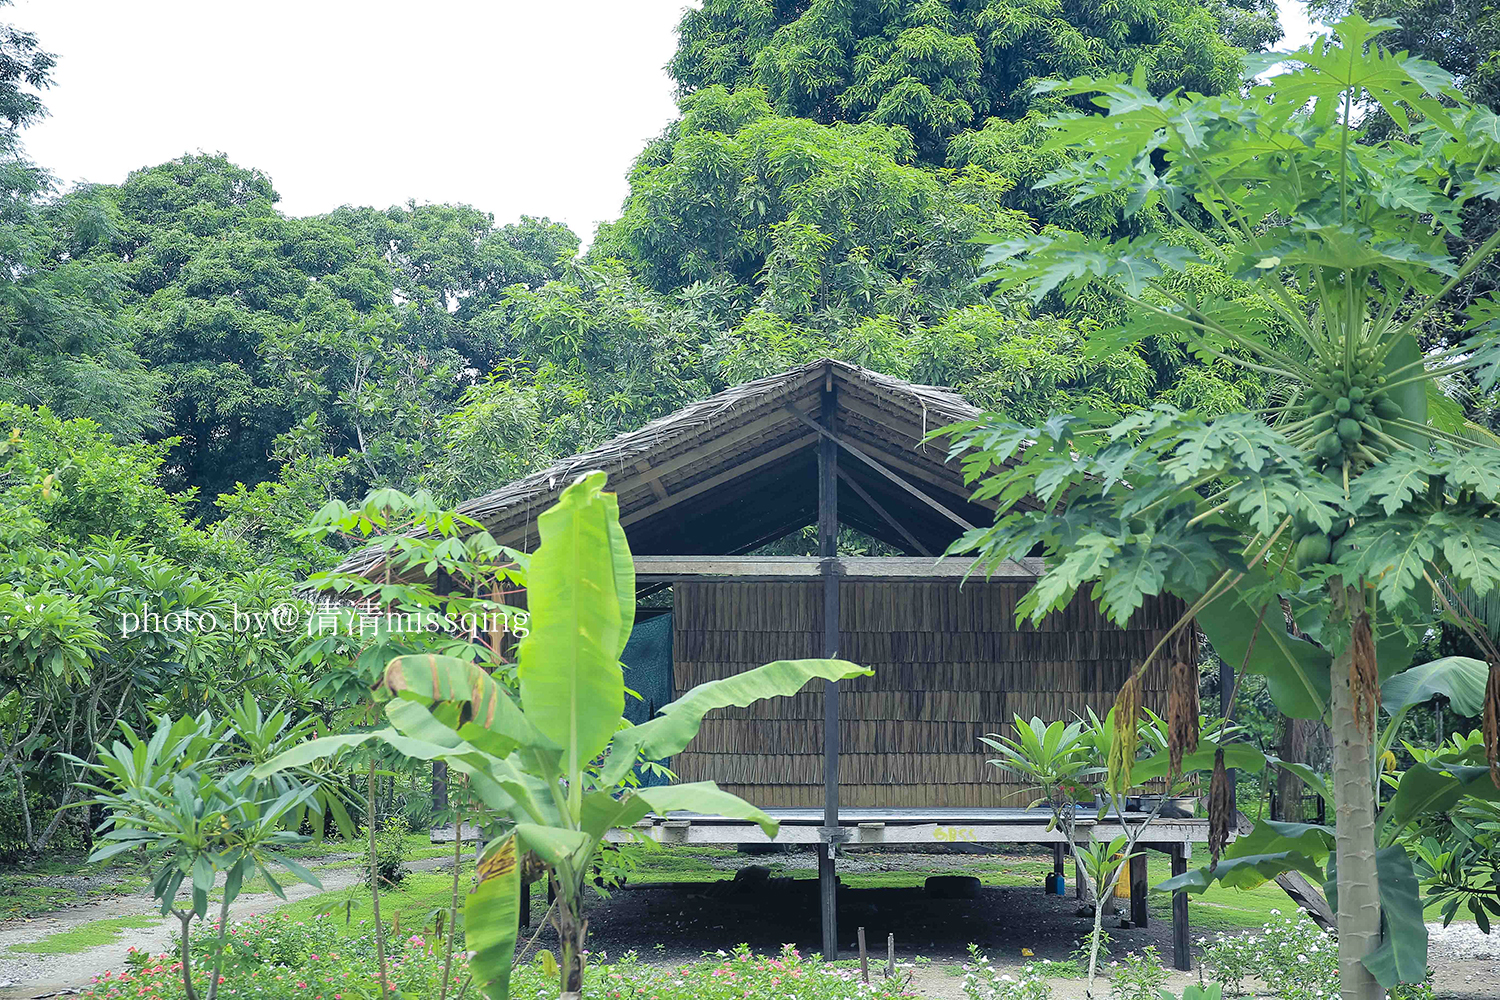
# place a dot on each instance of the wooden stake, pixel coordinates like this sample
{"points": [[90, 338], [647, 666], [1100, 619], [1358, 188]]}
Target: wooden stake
{"points": [[864, 959], [890, 956]]}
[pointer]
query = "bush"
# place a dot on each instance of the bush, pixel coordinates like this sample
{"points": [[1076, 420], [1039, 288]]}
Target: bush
{"points": [[1137, 975], [275, 958], [390, 852], [1292, 956], [983, 982]]}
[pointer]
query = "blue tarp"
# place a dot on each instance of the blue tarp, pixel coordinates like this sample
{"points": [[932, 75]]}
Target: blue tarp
{"points": [[648, 672]]}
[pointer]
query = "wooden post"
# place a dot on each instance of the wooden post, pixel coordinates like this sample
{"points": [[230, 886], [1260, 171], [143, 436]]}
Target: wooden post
{"points": [[864, 959], [439, 788], [525, 901], [1226, 709], [890, 956], [828, 537], [1182, 953], [1138, 890]]}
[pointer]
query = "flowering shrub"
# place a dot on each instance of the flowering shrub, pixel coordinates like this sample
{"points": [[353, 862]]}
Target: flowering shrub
{"points": [[1137, 976], [984, 982], [274, 958], [1292, 956], [720, 976]]}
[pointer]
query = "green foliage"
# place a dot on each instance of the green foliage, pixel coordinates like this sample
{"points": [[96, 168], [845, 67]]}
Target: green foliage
{"points": [[827, 222], [1352, 500], [982, 981], [391, 853], [549, 760], [1138, 976], [274, 958], [937, 68]]}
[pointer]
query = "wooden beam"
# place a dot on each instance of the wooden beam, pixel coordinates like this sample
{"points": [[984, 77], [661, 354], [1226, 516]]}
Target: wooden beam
{"points": [[652, 480], [886, 472], [859, 491], [713, 482], [667, 568], [949, 480]]}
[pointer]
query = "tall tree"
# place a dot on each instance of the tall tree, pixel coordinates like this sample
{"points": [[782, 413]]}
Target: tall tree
{"points": [[939, 67]]}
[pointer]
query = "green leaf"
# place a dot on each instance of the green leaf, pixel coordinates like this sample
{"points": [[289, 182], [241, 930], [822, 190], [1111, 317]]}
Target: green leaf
{"points": [[1433, 786], [494, 722], [680, 720], [492, 918], [707, 798], [1241, 756], [1252, 868], [1393, 483], [319, 749], [1412, 397], [558, 847], [1402, 954], [1296, 671], [572, 687], [1461, 679]]}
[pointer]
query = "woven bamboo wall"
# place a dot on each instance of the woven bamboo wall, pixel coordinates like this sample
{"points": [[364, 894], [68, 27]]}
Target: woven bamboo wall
{"points": [[950, 665]]}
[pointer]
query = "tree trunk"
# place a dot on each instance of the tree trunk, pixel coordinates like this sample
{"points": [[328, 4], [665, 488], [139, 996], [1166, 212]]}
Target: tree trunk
{"points": [[1292, 742], [1358, 882]]}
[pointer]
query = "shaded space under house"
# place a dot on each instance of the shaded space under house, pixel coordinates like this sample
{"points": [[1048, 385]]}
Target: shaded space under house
{"points": [[892, 759]]}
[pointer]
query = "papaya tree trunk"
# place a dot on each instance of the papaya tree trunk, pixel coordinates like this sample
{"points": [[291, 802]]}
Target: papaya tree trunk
{"points": [[1358, 882]]}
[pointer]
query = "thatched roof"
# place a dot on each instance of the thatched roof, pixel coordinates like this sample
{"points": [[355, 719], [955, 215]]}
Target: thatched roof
{"points": [[732, 472]]}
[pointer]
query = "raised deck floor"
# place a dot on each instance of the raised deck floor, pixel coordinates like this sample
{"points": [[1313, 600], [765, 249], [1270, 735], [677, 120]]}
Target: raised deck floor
{"points": [[912, 826]]}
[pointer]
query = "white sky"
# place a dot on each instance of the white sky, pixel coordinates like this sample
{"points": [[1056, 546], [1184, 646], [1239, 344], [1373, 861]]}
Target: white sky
{"points": [[511, 106]]}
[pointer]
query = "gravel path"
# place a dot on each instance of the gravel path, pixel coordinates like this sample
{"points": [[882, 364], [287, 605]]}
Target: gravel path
{"points": [[24, 975]]}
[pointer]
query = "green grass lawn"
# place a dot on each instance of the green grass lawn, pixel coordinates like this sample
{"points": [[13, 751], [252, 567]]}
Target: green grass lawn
{"points": [[85, 936]]}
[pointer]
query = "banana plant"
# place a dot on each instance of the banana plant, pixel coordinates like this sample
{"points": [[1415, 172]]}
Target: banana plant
{"points": [[550, 759], [1439, 781]]}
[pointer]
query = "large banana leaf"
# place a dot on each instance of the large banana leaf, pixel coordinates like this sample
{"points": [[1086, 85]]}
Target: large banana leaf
{"points": [[1242, 756], [572, 687], [603, 812], [680, 720], [1268, 850], [1411, 397], [492, 720], [1434, 786], [492, 918], [1402, 954], [1296, 670], [1460, 679]]}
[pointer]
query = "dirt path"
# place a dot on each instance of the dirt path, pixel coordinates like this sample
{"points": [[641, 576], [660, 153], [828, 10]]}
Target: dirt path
{"points": [[24, 975]]}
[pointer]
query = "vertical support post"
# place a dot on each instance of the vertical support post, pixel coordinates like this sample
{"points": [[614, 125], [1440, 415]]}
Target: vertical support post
{"points": [[1138, 890], [440, 791], [1182, 953], [828, 534], [525, 900], [1226, 709]]}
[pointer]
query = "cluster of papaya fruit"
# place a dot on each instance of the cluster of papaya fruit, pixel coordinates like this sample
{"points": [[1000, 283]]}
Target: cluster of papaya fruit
{"points": [[1316, 546], [1347, 418]]}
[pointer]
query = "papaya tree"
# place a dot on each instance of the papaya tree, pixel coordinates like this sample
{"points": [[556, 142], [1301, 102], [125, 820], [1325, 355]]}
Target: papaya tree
{"points": [[1359, 504], [550, 759]]}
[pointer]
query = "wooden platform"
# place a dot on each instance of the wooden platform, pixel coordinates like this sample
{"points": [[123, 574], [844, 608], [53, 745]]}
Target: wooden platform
{"points": [[908, 826]]}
